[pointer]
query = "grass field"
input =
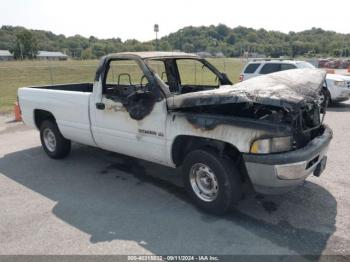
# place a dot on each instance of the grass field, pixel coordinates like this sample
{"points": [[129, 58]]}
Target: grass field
{"points": [[17, 74]]}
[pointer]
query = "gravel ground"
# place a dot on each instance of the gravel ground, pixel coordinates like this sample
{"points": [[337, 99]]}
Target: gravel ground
{"points": [[97, 202]]}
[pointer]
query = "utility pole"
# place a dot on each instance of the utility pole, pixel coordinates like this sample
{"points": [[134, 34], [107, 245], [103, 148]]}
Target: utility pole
{"points": [[156, 30], [21, 50]]}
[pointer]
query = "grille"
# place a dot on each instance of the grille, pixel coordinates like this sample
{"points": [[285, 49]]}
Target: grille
{"points": [[348, 84]]}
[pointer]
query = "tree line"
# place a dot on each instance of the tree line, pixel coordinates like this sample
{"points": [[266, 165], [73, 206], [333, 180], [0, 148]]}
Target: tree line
{"points": [[232, 42]]}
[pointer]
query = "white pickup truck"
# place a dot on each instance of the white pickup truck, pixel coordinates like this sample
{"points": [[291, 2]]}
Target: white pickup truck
{"points": [[178, 110]]}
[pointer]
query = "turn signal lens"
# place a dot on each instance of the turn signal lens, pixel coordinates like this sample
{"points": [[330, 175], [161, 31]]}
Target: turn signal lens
{"points": [[272, 145]]}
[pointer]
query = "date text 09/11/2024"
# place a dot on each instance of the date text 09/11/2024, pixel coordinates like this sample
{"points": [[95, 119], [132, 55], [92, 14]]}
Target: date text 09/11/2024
{"points": [[173, 258]]}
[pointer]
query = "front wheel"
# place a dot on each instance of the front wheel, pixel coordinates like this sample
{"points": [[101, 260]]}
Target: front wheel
{"points": [[211, 180], [54, 144]]}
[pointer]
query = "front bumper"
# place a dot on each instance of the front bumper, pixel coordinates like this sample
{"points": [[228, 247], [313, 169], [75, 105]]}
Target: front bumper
{"points": [[278, 173]]}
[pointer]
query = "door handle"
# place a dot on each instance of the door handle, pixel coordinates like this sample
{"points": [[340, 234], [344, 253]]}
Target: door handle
{"points": [[100, 106]]}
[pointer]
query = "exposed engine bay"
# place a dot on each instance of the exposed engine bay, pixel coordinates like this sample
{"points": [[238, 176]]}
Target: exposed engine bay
{"points": [[286, 100]]}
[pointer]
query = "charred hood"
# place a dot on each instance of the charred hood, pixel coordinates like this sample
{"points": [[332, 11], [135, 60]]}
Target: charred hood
{"points": [[290, 89]]}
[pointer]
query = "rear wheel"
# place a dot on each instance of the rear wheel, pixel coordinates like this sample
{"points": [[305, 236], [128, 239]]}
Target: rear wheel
{"points": [[212, 181], [54, 144]]}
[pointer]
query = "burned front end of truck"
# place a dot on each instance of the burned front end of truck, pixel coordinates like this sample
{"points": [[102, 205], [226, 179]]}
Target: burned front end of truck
{"points": [[275, 121]]}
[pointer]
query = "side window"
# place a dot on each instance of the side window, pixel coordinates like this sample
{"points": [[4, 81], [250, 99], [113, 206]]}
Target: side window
{"points": [[195, 73], [251, 68], [270, 68], [287, 67], [159, 68], [125, 73]]}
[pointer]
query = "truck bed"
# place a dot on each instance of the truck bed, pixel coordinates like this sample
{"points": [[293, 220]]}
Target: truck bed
{"points": [[69, 103], [79, 87]]}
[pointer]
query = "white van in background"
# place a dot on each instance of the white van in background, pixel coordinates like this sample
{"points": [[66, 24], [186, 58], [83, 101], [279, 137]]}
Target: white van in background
{"points": [[338, 85]]}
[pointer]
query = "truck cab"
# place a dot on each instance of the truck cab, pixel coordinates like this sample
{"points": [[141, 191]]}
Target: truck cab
{"points": [[140, 88]]}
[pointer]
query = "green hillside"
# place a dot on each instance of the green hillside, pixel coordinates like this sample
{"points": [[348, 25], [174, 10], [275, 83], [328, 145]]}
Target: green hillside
{"points": [[232, 42]]}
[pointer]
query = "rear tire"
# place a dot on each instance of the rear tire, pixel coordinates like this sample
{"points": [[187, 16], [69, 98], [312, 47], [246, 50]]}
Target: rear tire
{"points": [[212, 181], [54, 144]]}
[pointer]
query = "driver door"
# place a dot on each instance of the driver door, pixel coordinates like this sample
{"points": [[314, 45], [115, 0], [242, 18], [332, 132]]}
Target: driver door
{"points": [[114, 126]]}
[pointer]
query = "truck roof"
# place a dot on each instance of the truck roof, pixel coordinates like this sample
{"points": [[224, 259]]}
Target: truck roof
{"points": [[154, 55], [140, 56]]}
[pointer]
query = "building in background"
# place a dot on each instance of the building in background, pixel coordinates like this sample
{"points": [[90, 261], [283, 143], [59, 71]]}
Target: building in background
{"points": [[5, 55], [47, 55]]}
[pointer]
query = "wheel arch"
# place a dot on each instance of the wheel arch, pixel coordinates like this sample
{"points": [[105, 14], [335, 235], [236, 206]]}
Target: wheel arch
{"points": [[41, 115], [183, 144]]}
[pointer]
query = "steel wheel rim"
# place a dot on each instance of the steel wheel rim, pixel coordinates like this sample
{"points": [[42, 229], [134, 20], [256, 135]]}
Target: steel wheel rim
{"points": [[49, 139], [204, 182]]}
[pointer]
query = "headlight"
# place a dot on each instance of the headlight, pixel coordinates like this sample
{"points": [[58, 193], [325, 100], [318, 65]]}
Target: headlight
{"points": [[272, 145], [339, 83]]}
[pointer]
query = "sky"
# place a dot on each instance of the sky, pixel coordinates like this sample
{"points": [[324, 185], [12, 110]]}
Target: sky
{"points": [[132, 19]]}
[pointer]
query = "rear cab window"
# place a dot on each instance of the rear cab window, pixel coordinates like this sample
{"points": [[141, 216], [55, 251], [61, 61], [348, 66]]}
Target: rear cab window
{"points": [[251, 68], [123, 78]]}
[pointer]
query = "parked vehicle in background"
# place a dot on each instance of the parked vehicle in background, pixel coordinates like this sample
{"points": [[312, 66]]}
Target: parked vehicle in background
{"points": [[322, 63], [334, 63], [176, 109], [345, 64], [337, 85]]}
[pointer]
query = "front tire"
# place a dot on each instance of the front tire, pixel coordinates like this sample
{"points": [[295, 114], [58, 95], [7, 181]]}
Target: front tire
{"points": [[212, 181], [54, 144]]}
